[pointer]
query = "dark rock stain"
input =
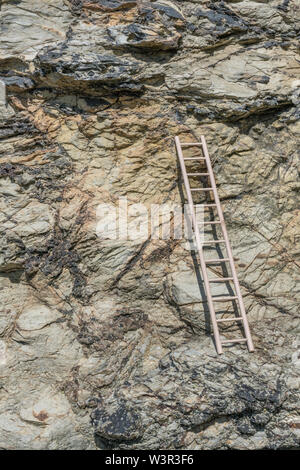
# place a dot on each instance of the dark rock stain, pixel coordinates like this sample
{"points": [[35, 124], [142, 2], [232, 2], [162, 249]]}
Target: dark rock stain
{"points": [[121, 425]]}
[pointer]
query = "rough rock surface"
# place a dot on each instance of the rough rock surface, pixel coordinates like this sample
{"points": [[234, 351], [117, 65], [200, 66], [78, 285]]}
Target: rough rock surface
{"points": [[107, 343]]}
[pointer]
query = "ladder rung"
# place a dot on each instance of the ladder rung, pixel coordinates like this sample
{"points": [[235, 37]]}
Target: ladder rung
{"points": [[210, 222], [206, 205], [201, 189], [220, 279], [221, 299], [217, 260], [198, 174], [229, 319], [213, 242], [234, 341], [194, 158], [185, 144]]}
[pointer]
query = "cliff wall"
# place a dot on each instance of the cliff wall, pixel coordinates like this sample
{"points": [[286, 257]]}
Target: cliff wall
{"points": [[106, 343]]}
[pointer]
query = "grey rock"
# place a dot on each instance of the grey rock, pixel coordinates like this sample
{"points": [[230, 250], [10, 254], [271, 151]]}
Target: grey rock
{"points": [[120, 424], [90, 73], [26, 27], [107, 343], [17, 84], [136, 35]]}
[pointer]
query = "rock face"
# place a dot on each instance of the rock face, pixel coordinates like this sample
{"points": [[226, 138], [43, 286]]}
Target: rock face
{"points": [[106, 343]]}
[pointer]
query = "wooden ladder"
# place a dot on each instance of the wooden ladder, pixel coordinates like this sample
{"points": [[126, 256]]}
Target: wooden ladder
{"points": [[199, 244]]}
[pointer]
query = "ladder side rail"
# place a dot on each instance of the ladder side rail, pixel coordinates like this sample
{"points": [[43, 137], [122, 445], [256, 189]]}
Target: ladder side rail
{"points": [[199, 246], [228, 247]]}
